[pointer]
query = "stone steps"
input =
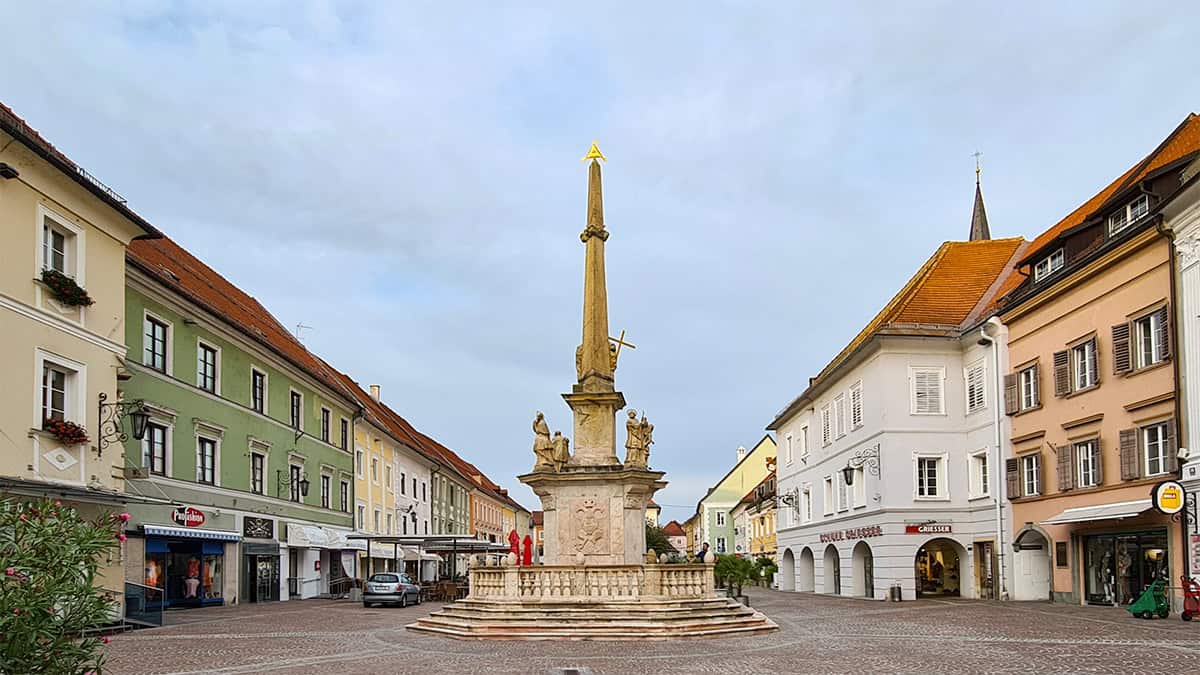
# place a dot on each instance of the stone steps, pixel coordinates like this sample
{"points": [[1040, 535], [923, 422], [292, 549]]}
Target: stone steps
{"points": [[657, 620]]}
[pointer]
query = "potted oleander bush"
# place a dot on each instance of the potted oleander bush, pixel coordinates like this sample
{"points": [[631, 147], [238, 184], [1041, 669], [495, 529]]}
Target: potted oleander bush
{"points": [[65, 289], [49, 598]]}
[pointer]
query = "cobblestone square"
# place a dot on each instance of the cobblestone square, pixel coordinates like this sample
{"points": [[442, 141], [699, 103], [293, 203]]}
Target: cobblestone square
{"points": [[817, 634]]}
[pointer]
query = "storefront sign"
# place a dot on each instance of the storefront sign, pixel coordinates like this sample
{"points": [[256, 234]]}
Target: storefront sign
{"points": [[258, 528], [1167, 497], [929, 528], [852, 533], [188, 516]]}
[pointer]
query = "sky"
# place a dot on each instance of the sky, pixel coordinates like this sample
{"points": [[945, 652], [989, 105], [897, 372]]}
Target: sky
{"points": [[405, 178]]}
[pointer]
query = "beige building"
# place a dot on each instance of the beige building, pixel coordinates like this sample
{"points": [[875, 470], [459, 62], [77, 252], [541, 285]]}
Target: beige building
{"points": [[1092, 392], [63, 231]]}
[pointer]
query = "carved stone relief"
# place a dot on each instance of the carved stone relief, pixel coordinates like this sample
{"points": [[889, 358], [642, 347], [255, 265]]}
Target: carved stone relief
{"points": [[589, 525]]}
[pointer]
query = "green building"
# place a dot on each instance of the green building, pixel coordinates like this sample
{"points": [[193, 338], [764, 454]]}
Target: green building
{"points": [[715, 524], [249, 436]]}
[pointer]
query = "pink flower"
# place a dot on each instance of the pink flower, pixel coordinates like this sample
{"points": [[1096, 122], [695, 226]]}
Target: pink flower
{"points": [[121, 537], [23, 517], [124, 517], [58, 503], [106, 639], [17, 610], [10, 571]]}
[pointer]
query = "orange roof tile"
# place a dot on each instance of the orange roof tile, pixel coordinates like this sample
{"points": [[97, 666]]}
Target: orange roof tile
{"points": [[941, 296], [673, 529], [1180, 143], [171, 265]]}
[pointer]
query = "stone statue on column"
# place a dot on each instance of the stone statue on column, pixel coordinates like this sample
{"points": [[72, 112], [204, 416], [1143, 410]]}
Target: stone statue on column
{"points": [[561, 453], [635, 444], [543, 447]]}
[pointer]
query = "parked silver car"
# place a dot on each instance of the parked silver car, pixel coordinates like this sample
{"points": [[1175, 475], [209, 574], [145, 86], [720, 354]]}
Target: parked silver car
{"points": [[391, 588]]}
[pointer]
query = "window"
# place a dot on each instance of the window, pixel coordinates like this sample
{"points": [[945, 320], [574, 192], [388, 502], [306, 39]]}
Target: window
{"points": [[54, 249], [1049, 265], [362, 517], [375, 520], [55, 382], [926, 386], [976, 377], [154, 449], [423, 491], [858, 495], [843, 497], [827, 496], [345, 497], [375, 470], [720, 544], [1154, 440], [856, 406], [804, 444], [206, 376], [1128, 214], [358, 463], [826, 426], [928, 476], [839, 408], [414, 481], [1029, 396], [1084, 373], [297, 407], [806, 504], [345, 434], [390, 523], [1148, 347], [979, 474], [1087, 463], [387, 477], [720, 519], [789, 449], [154, 348], [206, 461], [326, 421], [258, 390], [326, 490], [404, 524], [257, 462], [1031, 474], [295, 476], [403, 479]]}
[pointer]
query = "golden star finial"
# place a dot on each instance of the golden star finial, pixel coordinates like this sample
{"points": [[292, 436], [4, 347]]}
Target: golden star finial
{"points": [[594, 153]]}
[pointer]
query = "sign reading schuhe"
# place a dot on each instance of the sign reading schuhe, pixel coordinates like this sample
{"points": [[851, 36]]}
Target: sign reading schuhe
{"points": [[188, 516], [852, 533]]}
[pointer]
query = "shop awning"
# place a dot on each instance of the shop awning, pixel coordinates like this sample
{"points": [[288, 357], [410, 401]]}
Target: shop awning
{"points": [[315, 536], [37, 488], [189, 533], [1081, 514]]}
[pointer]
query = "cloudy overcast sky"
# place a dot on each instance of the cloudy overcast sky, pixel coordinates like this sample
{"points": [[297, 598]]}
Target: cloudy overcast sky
{"points": [[405, 177]]}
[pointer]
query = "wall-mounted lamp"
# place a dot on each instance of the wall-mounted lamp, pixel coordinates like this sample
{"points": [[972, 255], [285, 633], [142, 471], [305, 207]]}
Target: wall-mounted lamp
{"points": [[281, 482], [867, 457], [112, 421]]}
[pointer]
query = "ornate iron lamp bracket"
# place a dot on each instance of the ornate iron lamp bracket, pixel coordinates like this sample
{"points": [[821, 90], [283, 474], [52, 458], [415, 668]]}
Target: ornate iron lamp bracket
{"points": [[112, 421]]}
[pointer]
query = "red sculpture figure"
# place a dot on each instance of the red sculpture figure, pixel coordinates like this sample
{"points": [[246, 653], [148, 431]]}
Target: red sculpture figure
{"points": [[514, 544], [528, 559]]}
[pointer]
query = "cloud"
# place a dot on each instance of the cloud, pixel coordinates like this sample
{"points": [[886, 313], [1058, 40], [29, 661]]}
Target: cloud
{"points": [[405, 178]]}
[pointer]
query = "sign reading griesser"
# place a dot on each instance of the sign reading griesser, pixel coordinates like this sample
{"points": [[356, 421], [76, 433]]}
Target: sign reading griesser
{"points": [[929, 528]]}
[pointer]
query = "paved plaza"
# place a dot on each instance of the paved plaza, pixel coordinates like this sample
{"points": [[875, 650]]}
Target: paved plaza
{"points": [[817, 635]]}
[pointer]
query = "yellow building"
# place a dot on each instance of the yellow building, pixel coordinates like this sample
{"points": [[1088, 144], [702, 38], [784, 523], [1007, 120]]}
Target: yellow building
{"points": [[61, 358]]}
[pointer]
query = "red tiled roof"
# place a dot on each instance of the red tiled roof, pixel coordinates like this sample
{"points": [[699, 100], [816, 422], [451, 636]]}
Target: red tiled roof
{"points": [[673, 529], [171, 265], [1183, 141], [940, 297], [651, 503], [12, 124]]}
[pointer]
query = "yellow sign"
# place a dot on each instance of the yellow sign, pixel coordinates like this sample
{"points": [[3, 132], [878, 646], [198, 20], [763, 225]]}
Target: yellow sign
{"points": [[1167, 497]]}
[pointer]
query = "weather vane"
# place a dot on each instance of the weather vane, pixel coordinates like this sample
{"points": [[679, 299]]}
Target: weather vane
{"points": [[594, 153]]}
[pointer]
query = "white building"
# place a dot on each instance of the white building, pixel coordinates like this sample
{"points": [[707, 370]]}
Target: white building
{"points": [[908, 411]]}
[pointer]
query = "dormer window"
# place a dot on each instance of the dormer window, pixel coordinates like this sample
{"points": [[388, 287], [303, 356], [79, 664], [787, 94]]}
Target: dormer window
{"points": [[1048, 265], [1128, 214]]}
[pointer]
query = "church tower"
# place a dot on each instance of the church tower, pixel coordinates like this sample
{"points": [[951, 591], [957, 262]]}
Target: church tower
{"points": [[979, 223]]}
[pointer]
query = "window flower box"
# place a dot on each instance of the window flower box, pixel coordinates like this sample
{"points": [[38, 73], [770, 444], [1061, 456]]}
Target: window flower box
{"points": [[65, 290], [67, 433]]}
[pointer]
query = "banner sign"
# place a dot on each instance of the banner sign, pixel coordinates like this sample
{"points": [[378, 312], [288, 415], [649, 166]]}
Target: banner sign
{"points": [[1167, 497], [929, 528], [852, 533], [188, 516]]}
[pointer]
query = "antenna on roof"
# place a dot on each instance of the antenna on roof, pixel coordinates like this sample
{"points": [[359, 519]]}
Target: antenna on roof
{"points": [[299, 327]]}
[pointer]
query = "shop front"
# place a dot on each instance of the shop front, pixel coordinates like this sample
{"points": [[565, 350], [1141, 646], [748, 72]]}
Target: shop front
{"points": [[188, 565], [260, 560], [1117, 567], [320, 560]]}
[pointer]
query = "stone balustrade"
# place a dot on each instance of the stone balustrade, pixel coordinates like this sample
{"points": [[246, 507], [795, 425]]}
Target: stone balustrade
{"points": [[600, 582]]}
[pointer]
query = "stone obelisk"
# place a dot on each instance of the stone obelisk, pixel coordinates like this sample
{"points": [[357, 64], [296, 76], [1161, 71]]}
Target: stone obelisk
{"points": [[594, 505], [593, 399]]}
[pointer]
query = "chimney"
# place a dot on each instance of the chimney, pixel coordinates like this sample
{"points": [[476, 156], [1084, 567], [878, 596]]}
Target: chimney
{"points": [[741, 452], [375, 392]]}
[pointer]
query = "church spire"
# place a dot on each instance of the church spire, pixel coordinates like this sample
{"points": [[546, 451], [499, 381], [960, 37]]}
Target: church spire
{"points": [[979, 222]]}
